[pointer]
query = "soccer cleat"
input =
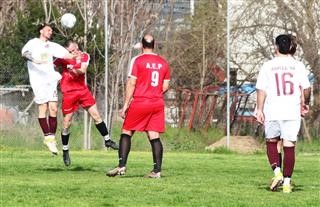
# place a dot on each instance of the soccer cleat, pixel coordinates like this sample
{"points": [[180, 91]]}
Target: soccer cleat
{"points": [[153, 174], [109, 143], [66, 157], [276, 182], [287, 188], [116, 171], [51, 143]]}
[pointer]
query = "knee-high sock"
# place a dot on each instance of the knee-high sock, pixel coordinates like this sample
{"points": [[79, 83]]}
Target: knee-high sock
{"points": [[288, 161], [273, 155], [44, 126], [157, 153], [52, 124], [124, 149], [102, 128], [65, 141]]}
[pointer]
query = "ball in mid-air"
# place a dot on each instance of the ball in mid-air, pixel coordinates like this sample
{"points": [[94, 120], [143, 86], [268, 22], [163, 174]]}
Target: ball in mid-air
{"points": [[68, 20]]}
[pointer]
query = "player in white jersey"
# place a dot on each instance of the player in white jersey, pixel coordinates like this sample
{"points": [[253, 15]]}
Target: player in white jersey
{"points": [[281, 84], [44, 79]]}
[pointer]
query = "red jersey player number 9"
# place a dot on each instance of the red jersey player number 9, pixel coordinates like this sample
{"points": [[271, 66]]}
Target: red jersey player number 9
{"points": [[154, 78]]}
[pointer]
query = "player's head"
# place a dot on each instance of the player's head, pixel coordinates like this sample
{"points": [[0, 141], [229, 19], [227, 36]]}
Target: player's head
{"points": [[45, 31], [147, 42], [283, 44], [294, 44], [72, 46]]}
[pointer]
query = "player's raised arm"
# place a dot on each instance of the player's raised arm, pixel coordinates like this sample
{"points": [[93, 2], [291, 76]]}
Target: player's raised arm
{"points": [[70, 56], [28, 56]]}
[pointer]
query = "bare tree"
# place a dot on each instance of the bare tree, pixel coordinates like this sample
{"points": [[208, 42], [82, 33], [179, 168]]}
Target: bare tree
{"points": [[197, 45], [8, 13], [128, 21]]}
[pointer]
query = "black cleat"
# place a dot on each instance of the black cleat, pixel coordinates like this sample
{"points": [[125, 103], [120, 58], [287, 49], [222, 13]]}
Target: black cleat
{"points": [[66, 158], [109, 143]]}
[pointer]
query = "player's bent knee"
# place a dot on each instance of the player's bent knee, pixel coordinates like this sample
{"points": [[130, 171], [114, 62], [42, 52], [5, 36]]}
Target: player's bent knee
{"points": [[287, 143], [153, 135]]}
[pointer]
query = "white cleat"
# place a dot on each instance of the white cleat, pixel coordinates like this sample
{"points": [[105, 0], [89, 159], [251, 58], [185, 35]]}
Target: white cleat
{"points": [[50, 142]]}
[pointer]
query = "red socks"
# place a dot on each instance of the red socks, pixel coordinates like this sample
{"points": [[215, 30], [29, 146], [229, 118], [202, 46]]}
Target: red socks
{"points": [[44, 126], [52, 124], [288, 161], [48, 126], [273, 154]]}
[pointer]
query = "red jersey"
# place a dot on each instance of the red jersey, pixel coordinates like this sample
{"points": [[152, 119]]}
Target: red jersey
{"points": [[150, 70], [71, 81]]}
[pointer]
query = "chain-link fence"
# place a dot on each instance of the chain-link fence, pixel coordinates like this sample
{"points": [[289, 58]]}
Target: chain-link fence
{"points": [[19, 123]]}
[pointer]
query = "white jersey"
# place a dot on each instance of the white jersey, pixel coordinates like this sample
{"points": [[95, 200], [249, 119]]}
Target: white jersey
{"points": [[40, 74], [283, 79], [43, 78]]}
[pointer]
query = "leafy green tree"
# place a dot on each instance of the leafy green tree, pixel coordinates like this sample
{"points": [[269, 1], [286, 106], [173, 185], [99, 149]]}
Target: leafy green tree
{"points": [[12, 66]]}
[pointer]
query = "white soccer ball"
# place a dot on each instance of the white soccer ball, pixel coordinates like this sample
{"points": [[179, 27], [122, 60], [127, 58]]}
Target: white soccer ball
{"points": [[68, 20]]}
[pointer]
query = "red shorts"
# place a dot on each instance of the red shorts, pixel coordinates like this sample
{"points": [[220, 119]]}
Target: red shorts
{"points": [[71, 100], [145, 115]]}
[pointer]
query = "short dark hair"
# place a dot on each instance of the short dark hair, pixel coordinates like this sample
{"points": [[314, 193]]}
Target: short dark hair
{"points": [[68, 42], [43, 25], [147, 43], [294, 44], [284, 44]]}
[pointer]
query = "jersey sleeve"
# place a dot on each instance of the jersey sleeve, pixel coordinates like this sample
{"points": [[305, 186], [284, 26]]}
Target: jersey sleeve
{"points": [[262, 78], [133, 69], [26, 47], [58, 51], [85, 58], [304, 82]]}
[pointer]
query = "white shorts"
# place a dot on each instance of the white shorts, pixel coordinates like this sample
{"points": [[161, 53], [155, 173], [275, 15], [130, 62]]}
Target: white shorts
{"points": [[45, 92], [286, 129]]}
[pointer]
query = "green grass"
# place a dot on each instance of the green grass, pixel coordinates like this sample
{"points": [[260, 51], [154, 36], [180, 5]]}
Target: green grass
{"points": [[174, 139], [34, 178]]}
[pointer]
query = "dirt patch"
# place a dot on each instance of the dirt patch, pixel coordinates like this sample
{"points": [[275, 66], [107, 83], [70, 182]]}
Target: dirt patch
{"points": [[241, 144]]}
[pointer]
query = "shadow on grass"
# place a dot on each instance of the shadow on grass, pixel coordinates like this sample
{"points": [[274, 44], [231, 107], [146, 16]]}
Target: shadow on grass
{"points": [[136, 176], [74, 169], [296, 188]]}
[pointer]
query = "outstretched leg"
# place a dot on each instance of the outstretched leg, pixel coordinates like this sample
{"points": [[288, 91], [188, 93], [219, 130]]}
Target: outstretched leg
{"points": [[101, 126]]}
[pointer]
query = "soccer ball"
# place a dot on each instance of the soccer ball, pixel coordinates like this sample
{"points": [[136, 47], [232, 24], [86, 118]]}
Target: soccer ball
{"points": [[68, 20]]}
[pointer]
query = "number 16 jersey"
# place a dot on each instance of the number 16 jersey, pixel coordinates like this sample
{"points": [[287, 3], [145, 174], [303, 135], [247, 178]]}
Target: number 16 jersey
{"points": [[282, 79], [150, 71]]}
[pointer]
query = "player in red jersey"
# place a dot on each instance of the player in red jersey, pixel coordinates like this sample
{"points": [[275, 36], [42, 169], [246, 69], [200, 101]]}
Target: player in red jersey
{"points": [[143, 110], [74, 93]]}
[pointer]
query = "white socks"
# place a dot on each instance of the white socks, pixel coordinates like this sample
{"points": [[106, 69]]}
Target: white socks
{"points": [[276, 171], [107, 137], [286, 181]]}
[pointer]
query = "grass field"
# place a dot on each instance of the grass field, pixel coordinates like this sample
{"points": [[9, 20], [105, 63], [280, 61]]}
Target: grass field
{"points": [[34, 178]]}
